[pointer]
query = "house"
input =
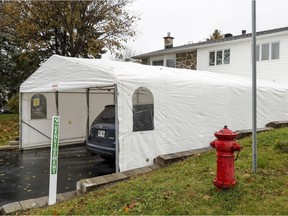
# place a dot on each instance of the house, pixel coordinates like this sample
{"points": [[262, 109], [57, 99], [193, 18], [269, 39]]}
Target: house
{"points": [[230, 55]]}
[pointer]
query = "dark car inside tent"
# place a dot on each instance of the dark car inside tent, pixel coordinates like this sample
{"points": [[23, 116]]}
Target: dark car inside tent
{"points": [[101, 139]]}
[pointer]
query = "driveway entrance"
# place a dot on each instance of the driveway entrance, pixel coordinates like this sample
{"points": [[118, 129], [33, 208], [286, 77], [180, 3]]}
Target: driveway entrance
{"points": [[26, 175]]}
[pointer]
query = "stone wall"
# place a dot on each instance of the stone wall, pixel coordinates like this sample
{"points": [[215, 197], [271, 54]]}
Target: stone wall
{"points": [[187, 60]]}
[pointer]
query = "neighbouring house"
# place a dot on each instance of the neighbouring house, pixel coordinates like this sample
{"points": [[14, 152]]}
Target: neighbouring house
{"points": [[230, 55]]}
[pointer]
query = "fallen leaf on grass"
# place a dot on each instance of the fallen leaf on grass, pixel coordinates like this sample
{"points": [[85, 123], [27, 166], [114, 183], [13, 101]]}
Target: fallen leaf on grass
{"points": [[246, 175], [128, 207], [206, 197], [132, 205], [192, 194], [55, 213]]}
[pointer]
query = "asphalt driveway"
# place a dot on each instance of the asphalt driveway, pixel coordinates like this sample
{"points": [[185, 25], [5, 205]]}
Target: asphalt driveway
{"points": [[25, 175]]}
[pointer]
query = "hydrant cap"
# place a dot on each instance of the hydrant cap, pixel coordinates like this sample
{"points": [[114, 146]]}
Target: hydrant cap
{"points": [[225, 133]]}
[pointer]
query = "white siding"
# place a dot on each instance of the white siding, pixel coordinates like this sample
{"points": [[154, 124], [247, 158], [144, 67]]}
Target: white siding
{"points": [[241, 62]]}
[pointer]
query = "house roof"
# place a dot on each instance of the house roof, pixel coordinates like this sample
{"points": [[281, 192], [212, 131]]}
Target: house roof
{"points": [[205, 43]]}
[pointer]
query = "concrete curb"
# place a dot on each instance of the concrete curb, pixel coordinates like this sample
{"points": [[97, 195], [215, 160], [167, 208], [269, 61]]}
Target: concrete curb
{"points": [[14, 143], [35, 203], [89, 184], [270, 126], [246, 133], [277, 124], [167, 159], [6, 148]]}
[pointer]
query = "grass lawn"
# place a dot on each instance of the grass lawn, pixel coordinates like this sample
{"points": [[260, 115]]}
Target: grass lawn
{"points": [[9, 128], [185, 188]]}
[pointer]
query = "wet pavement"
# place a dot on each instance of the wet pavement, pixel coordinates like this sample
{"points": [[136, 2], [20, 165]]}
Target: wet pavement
{"points": [[25, 175]]}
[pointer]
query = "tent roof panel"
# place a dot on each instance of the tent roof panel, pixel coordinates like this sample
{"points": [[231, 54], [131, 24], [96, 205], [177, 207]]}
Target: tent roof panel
{"points": [[60, 73]]}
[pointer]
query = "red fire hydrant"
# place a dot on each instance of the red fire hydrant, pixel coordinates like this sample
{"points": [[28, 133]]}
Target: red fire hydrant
{"points": [[225, 146]]}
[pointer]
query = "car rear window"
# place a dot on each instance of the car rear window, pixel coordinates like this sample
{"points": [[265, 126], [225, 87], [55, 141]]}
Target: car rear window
{"points": [[107, 115]]}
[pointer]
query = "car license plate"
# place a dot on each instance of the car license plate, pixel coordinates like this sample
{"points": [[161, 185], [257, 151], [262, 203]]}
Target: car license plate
{"points": [[101, 133]]}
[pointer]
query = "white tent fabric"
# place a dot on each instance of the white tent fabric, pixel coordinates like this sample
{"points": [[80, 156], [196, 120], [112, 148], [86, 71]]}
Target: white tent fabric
{"points": [[189, 106]]}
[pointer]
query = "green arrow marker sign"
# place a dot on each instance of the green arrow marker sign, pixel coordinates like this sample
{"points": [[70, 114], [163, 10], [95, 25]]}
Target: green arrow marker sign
{"points": [[55, 145], [54, 160]]}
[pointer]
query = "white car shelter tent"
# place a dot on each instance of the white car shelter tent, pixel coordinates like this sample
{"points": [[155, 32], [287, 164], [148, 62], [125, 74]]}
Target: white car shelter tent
{"points": [[187, 106]]}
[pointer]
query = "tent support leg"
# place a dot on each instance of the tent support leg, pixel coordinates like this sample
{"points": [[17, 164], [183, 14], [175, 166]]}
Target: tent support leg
{"points": [[20, 120], [57, 102], [88, 112], [116, 130]]}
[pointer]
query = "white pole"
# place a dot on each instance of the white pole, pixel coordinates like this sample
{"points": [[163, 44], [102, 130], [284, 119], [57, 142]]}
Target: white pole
{"points": [[116, 129], [254, 89], [20, 121], [54, 160]]}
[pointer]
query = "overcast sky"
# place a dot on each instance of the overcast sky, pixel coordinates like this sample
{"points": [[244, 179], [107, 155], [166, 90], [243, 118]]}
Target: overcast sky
{"points": [[194, 20]]}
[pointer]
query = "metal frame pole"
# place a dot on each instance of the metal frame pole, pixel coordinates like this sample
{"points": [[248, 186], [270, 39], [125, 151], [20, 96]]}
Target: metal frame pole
{"points": [[20, 121], [116, 129], [57, 102], [254, 89], [88, 113]]}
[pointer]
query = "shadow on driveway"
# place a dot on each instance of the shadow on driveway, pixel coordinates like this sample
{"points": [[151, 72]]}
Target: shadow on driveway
{"points": [[26, 175]]}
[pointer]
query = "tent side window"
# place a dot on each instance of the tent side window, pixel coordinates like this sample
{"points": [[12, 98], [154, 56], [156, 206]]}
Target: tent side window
{"points": [[143, 110], [38, 107]]}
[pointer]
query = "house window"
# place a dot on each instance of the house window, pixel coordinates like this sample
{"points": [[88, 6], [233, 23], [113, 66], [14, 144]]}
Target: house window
{"points": [[143, 110], [257, 53], [219, 57], [275, 51], [212, 58], [170, 63], [267, 51], [227, 56], [158, 63], [38, 107]]}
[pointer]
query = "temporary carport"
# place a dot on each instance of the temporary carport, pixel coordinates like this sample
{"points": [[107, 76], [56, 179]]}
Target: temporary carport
{"points": [[187, 106]]}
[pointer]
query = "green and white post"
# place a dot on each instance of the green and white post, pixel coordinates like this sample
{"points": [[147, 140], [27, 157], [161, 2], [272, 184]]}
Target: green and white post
{"points": [[54, 160]]}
